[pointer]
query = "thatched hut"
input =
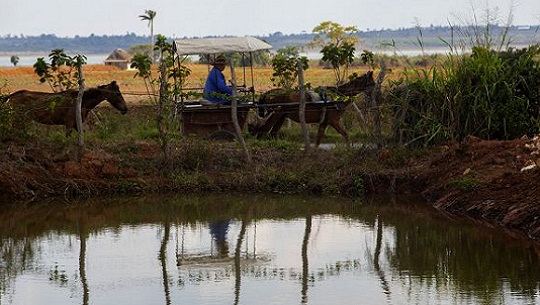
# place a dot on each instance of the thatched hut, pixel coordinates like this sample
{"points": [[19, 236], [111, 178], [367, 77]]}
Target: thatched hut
{"points": [[119, 58]]}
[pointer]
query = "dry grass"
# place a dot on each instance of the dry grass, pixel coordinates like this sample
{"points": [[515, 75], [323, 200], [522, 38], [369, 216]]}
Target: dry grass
{"points": [[17, 78]]}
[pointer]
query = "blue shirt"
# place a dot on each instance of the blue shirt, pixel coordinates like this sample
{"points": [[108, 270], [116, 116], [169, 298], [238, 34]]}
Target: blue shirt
{"points": [[216, 86]]}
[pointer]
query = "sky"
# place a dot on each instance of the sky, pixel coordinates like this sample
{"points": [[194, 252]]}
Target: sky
{"points": [[199, 18]]}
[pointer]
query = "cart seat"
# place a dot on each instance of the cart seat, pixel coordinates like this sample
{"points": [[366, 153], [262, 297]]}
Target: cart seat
{"points": [[198, 102]]}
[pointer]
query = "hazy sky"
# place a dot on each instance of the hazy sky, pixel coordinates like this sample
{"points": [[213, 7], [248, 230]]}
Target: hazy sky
{"points": [[67, 18]]}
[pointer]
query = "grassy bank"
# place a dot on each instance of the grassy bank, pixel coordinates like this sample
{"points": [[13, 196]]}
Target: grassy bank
{"points": [[123, 155]]}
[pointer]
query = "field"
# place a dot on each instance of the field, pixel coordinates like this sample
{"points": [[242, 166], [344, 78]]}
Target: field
{"points": [[133, 88]]}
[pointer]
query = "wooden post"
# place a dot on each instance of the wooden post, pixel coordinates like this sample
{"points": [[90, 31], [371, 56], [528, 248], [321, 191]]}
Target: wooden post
{"points": [[78, 115], [234, 115], [302, 110]]}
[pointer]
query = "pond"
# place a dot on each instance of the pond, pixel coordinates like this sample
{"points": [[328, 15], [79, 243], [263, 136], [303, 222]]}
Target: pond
{"points": [[231, 249]]}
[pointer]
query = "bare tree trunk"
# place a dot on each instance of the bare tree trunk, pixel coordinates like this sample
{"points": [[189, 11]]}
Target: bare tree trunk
{"points": [[302, 110], [161, 115], [234, 114], [78, 116]]}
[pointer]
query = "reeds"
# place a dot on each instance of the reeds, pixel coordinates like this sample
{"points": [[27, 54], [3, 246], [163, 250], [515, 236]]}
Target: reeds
{"points": [[487, 92]]}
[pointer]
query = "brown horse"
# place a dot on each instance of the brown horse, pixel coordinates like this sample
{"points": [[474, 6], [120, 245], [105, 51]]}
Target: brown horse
{"points": [[323, 114], [59, 108]]}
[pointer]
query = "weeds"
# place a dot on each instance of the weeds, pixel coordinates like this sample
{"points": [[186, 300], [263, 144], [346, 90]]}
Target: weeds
{"points": [[6, 115], [465, 183]]}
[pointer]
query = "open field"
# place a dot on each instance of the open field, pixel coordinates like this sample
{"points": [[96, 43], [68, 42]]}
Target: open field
{"points": [[133, 88]]}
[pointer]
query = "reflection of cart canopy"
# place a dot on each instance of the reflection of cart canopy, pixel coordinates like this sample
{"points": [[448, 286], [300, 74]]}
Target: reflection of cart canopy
{"points": [[197, 46]]}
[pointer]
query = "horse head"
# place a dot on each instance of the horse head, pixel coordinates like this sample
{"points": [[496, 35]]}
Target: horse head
{"points": [[112, 94], [357, 84]]}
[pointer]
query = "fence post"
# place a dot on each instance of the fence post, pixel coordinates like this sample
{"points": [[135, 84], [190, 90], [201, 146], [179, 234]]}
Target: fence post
{"points": [[234, 114], [78, 115], [302, 109]]}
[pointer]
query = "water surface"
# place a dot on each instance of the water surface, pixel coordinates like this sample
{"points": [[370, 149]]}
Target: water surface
{"points": [[257, 250]]}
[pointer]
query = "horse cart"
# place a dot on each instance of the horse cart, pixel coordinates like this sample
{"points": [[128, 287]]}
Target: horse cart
{"points": [[208, 120], [215, 121]]}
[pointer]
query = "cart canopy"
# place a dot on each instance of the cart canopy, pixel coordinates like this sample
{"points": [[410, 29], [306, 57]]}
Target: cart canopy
{"points": [[194, 46]]}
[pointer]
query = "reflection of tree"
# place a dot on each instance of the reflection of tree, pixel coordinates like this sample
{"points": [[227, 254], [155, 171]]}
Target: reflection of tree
{"points": [[15, 256], [82, 264], [237, 269], [163, 261], [444, 256], [305, 263], [377, 254]]}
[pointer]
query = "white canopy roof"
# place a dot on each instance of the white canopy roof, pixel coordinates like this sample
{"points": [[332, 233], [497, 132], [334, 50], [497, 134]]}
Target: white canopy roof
{"points": [[195, 46]]}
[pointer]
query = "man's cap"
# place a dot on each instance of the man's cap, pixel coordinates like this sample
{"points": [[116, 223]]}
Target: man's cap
{"points": [[220, 60]]}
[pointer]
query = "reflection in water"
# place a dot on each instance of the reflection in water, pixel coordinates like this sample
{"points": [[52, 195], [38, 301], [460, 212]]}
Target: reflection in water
{"points": [[378, 245], [163, 261], [318, 250], [82, 263], [237, 269], [218, 230], [305, 263]]}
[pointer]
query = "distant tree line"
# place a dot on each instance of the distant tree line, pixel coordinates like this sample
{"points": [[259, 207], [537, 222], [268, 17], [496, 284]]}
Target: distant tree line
{"points": [[404, 38], [92, 44]]}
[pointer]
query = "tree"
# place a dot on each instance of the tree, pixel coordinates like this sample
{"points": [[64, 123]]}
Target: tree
{"points": [[14, 60], [61, 73], [338, 46], [163, 89], [150, 15], [285, 67]]}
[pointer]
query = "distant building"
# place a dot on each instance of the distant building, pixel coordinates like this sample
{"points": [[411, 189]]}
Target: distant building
{"points": [[119, 58]]}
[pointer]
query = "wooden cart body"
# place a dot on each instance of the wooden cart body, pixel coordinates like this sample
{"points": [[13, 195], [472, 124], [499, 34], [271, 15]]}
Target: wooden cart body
{"points": [[211, 121]]}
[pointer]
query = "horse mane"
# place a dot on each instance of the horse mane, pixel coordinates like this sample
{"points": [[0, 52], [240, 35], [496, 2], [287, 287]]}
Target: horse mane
{"points": [[92, 97]]}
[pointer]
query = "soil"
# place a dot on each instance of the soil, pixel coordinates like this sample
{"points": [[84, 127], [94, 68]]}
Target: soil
{"points": [[496, 182]]}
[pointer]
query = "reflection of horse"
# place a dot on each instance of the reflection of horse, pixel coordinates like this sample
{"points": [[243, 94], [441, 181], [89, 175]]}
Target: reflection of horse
{"points": [[323, 114], [59, 108]]}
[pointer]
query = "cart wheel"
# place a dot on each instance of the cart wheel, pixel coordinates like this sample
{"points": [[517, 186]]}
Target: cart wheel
{"points": [[222, 135]]}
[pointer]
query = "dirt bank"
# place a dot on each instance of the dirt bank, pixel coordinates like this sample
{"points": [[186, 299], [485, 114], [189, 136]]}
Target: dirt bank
{"points": [[492, 181]]}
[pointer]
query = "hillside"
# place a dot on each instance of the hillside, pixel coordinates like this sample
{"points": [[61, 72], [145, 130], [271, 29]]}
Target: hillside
{"points": [[406, 38]]}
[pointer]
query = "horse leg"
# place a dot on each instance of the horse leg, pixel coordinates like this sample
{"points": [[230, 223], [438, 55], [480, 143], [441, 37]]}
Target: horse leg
{"points": [[320, 133], [263, 126], [277, 125], [267, 126], [341, 131]]}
